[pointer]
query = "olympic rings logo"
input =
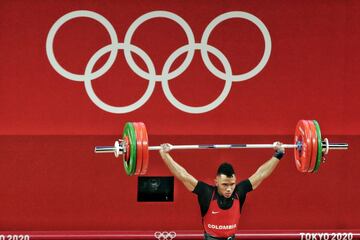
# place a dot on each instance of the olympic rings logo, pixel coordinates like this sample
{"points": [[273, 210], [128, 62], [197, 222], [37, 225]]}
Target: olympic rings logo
{"points": [[166, 75], [165, 235]]}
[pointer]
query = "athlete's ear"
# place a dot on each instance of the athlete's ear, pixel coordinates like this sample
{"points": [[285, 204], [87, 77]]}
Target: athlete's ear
{"points": [[216, 181]]}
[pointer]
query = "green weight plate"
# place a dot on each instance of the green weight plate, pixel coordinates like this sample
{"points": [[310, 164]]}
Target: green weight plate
{"points": [[129, 132], [319, 153]]}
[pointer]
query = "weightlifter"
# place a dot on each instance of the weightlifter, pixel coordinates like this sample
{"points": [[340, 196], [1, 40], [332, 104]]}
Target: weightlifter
{"points": [[221, 204]]}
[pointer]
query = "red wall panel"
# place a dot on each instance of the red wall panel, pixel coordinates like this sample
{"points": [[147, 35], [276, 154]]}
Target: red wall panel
{"points": [[56, 183], [311, 72]]}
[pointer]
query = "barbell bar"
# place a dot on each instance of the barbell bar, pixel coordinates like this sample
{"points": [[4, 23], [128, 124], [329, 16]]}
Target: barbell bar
{"points": [[113, 149], [309, 147]]}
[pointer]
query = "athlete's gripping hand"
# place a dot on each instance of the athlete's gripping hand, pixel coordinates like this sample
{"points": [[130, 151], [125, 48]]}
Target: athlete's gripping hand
{"points": [[279, 150], [165, 148]]}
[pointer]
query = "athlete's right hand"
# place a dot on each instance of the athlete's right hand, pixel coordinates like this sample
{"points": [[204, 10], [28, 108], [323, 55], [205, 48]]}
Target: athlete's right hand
{"points": [[165, 148]]}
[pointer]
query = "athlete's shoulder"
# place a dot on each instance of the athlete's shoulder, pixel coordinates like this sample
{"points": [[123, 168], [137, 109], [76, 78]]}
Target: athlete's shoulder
{"points": [[244, 186], [202, 187]]}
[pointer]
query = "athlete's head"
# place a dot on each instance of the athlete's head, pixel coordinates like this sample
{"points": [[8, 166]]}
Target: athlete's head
{"points": [[225, 180]]}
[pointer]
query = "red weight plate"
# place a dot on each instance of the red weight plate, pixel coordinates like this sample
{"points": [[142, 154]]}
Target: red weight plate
{"points": [[127, 154], [314, 150], [307, 160], [139, 148], [303, 156], [145, 145]]}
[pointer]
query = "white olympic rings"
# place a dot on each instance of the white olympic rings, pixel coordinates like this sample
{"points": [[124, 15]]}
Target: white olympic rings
{"points": [[165, 235], [151, 75]]}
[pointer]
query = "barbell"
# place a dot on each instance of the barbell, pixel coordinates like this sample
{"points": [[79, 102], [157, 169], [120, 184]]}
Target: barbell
{"points": [[309, 147]]}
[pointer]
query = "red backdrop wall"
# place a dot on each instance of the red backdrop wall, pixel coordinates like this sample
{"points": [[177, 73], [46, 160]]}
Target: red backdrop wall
{"points": [[51, 180]]}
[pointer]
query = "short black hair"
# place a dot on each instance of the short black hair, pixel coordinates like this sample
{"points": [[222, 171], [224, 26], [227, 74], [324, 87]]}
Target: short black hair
{"points": [[226, 169]]}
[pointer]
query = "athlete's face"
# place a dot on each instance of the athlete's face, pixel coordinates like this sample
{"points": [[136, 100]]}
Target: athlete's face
{"points": [[225, 185]]}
